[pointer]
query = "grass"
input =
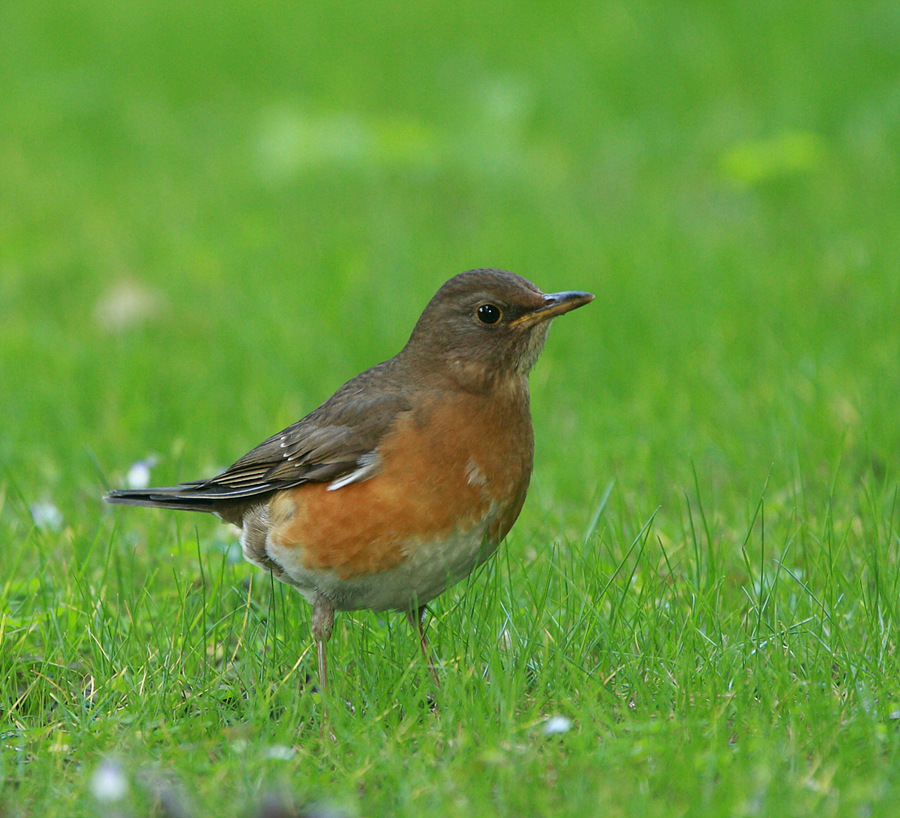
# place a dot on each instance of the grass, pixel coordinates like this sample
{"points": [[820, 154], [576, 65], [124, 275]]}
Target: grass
{"points": [[211, 217]]}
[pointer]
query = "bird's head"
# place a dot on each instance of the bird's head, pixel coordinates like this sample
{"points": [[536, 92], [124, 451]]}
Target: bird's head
{"points": [[487, 326]]}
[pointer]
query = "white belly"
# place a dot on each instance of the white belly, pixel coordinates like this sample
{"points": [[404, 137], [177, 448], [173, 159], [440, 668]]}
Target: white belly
{"points": [[429, 570]]}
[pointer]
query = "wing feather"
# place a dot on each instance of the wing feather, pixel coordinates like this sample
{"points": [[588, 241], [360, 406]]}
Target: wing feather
{"points": [[334, 444]]}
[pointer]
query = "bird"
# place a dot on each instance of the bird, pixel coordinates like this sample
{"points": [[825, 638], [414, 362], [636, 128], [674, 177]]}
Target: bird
{"points": [[409, 476]]}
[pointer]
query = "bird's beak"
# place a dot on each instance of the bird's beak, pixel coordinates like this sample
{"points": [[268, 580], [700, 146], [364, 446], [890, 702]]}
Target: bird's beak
{"points": [[554, 304]]}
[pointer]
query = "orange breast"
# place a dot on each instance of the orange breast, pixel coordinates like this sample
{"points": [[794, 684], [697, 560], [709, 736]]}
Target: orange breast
{"points": [[444, 468]]}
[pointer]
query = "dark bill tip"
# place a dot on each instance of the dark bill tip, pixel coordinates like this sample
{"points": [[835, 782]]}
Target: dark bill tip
{"points": [[556, 304]]}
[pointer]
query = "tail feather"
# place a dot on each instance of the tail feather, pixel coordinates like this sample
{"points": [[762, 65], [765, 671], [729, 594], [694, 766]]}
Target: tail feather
{"points": [[203, 495], [176, 497]]}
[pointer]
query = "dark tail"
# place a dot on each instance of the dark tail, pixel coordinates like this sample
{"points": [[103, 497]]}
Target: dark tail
{"points": [[185, 497]]}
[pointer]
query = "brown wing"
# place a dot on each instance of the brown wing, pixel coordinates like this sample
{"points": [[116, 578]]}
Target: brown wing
{"points": [[330, 443], [326, 445]]}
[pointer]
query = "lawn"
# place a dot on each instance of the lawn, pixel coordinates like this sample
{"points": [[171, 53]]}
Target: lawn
{"points": [[212, 215]]}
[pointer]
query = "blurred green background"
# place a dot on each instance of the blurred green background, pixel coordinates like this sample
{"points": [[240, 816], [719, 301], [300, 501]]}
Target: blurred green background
{"points": [[212, 214]]}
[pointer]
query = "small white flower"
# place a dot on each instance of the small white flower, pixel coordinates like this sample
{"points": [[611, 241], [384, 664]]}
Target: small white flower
{"points": [[46, 516], [138, 476], [279, 752], [556, 725], [108, 782], [127, 304]]}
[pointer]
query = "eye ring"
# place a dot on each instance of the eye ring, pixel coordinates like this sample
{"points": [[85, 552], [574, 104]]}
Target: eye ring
{"points": [[489, 314]]}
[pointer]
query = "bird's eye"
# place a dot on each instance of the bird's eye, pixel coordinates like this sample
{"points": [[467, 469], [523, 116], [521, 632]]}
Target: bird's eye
{"points": [[488, 313]]}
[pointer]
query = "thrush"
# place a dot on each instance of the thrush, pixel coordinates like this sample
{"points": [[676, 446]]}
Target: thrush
{"points": [[409, 476]]}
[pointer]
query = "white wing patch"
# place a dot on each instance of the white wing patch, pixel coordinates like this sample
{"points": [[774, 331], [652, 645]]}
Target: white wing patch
{"points": [[474, 475], [367, 466]]}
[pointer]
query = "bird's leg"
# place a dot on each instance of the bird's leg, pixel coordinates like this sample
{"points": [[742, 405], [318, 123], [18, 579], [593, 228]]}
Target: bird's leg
{"points": [[322, 625], [417, 620]]}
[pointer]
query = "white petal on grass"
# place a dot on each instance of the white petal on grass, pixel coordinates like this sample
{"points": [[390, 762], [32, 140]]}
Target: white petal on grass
{"points": [[138, 476], [279, 752], [108, 782], [127, 304], [46, 516], [557, 725]]}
